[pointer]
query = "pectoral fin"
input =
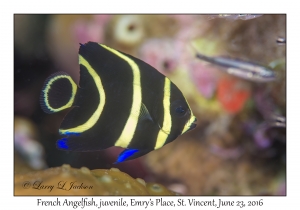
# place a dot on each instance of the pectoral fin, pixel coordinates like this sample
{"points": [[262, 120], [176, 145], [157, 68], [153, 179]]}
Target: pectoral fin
{"points": [[144, 113]]}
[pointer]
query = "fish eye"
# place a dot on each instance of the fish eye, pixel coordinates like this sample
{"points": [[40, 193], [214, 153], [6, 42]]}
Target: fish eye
{"points": [[179, 108]]}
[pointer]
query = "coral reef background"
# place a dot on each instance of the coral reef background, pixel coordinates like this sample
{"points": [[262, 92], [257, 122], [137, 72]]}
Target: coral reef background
{"points": [[234, 150]]}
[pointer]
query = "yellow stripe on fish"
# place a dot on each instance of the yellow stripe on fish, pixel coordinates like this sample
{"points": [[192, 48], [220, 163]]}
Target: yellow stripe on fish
{"points": [[131, 123], [96, 115], [167, 122]]}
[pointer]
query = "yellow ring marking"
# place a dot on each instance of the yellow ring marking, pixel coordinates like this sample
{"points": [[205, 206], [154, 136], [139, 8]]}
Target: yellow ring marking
{"points": [[167, 123], [94, 118], [48, 87], [130, 126]]}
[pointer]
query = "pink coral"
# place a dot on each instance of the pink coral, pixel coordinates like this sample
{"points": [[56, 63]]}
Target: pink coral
{"points": [[205, 78], [185, 20], [93, 30], [161, 54]]}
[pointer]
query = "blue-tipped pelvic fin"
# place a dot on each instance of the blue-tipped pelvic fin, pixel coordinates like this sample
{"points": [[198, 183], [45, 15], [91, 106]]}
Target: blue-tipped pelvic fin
{"points": [[126, 154]]}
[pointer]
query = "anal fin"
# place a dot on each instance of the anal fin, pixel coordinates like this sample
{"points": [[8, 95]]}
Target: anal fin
{"points": [[78, 142]]}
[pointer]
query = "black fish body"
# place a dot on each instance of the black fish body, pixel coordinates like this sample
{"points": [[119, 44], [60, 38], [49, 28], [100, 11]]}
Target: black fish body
{"points": [[121, 101]]}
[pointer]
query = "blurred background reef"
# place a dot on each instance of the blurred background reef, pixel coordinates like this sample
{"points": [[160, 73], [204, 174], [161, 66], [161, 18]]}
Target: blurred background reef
{"points": [[236, 149]]}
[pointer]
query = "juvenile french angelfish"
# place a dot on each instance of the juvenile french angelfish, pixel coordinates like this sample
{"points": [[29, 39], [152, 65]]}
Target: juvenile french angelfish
{"points": [[121, 101]]}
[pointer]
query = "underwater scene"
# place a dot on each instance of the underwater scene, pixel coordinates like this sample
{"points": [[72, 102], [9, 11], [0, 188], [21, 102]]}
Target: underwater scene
{"points": [[174, 104]]}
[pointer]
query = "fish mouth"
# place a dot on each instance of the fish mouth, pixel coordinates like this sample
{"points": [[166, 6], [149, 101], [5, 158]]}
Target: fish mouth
{"points": [[191, 126]]}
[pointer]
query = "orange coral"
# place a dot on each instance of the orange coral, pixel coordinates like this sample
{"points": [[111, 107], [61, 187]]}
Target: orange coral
{"points": [[232, 94]]}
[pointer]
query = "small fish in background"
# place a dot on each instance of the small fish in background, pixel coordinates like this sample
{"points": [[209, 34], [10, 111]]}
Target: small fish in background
{"points": [[281, 41], [242, 69], [277, 121], [121, 101], [235, 16]]}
